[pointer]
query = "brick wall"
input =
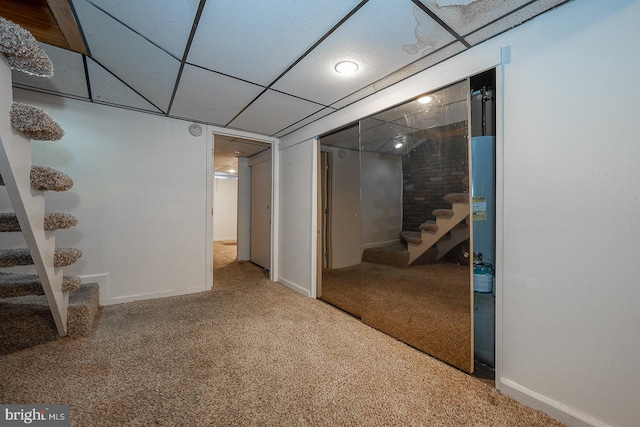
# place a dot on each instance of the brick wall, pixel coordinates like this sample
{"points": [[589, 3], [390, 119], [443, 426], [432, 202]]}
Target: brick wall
{"points": [[434, 168]]}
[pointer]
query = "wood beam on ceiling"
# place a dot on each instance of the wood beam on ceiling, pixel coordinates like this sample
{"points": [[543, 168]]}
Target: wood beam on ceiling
{"points": [[67, 23], [50, 21]]}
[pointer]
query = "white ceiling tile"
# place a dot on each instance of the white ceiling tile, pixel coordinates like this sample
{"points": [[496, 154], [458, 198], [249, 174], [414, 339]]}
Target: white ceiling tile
{"points": [[108, 89], [419, 65], [148, 69], [381, 37], [403, 73], [274, 111], [257, 40], [512, 20], [168, 25], [465, 16], [304, 122], [210, 97], [68, 74]]}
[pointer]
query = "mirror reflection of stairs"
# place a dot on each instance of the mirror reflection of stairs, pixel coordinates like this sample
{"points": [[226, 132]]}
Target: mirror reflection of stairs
{"points": [[448, 230], [433, 240], [74, 308]]}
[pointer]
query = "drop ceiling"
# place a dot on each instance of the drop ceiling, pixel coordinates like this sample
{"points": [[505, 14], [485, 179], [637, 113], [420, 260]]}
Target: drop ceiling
{"points": [[262, 66], [400, 129], [228, 149]]}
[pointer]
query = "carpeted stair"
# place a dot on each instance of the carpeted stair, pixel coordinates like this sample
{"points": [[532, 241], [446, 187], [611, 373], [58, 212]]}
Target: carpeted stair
{"points": [[27, 321], [449, 228], [18, 285], [34, 123], [63, 257], [52, 221], [394, 255], [434, 239], [44, 178], [72, 310], [84, 301], [22, 51]]}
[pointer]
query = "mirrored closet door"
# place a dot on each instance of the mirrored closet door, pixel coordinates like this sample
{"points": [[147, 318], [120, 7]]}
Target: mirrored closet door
{"points": [[396, 223]]}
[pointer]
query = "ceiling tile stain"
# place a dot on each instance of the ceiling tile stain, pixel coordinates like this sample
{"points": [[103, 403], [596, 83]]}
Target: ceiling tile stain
{"points": [[136, 53], [461, 13], [426, 33]]}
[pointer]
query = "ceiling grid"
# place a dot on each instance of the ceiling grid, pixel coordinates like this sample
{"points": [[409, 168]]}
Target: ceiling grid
{"points": [[263, 67]]}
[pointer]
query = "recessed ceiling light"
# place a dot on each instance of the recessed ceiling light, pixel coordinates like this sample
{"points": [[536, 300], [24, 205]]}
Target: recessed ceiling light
{"points": [[425, 99], [346, 67], [232, 170], [398, 145]]}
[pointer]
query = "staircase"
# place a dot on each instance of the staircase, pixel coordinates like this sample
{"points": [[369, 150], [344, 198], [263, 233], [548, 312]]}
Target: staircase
{"points": [[25, 184], [450, 228]]}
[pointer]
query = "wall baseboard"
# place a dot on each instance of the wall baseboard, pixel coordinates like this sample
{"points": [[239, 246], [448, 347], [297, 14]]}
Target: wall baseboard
{"points": [[295, 287], [555, 409], [378, 244], [102, 280], [153, 295]]}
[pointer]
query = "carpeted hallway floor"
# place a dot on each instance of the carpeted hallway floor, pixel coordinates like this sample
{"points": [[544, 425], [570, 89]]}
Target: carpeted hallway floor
{"points": [[250, 352]]}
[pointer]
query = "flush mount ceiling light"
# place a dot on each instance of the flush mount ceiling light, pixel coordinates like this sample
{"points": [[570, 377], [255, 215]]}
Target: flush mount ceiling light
{"points": [[346, 67], [399, 142], [425, 99]]}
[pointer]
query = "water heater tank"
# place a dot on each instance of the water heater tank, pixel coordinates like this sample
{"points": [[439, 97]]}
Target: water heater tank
{"points": [[483, 193]]}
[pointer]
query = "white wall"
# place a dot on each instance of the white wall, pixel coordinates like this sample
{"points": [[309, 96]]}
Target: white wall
{"points": [[366, 207], [225, 209], [571, 320], [381, 198], [139, 195], [296, 220], [345, 208], [566, 286]]}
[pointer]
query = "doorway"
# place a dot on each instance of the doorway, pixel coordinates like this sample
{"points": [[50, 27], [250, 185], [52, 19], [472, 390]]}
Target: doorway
{"points": [[233, 188]]}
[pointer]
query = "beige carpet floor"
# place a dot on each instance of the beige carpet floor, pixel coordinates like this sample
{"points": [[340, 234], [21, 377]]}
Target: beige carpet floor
{"points": [[249, 353]]}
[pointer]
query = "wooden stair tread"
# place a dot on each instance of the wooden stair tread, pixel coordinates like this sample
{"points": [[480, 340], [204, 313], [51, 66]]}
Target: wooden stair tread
{"points": [[16, 285], [34, 123], [52, 221], [22, 50], [18, 257]]}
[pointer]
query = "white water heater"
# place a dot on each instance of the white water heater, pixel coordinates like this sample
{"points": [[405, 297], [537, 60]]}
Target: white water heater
{"points": [[483, 194]]}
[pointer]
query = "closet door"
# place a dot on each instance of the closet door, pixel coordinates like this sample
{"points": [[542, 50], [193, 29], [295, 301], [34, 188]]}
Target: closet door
{"points": [[261, 213], [401, 224]]}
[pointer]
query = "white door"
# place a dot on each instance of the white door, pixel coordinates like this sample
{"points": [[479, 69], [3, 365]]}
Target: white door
{"points": [[261, 213]]}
